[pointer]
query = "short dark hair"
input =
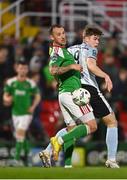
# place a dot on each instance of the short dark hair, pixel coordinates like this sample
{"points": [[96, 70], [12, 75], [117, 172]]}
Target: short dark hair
{"points": [[53, 27], [22, 62], [91, 30]]}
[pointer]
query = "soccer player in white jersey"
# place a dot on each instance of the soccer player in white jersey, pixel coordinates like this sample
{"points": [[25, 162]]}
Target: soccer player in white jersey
{"points": [[23, 94], [85, 54]]}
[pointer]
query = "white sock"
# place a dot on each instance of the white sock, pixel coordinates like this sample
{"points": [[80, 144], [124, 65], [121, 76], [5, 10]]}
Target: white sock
{"points": [[60, 140], [49, 148], [60, 133], [112, 142]]}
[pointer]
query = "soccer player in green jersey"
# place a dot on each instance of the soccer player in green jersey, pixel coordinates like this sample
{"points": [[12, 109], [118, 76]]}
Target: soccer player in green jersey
{"points": [[67, 73], [23, 94]]}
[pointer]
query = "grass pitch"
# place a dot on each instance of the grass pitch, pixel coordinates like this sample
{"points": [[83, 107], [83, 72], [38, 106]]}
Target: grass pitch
{"points": [[62, 173]]}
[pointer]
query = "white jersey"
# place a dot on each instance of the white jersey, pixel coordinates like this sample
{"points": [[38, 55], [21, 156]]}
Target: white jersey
{"points": [[81, 53]]}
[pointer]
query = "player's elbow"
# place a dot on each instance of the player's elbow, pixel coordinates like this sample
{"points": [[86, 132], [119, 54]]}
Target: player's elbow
{"points": [[38, 98]]}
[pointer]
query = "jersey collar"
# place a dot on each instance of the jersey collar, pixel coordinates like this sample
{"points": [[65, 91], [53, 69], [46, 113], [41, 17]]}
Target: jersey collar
{"points": [[58, 46]]}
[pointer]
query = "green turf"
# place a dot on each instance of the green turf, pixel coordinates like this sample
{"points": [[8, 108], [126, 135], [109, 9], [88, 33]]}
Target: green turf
{"points": [[61, 173]]}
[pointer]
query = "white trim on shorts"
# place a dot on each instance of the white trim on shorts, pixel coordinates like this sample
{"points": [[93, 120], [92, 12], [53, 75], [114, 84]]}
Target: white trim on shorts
{"points": [[105, 101]]}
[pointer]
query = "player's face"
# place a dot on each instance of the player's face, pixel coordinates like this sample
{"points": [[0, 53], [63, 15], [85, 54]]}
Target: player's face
{"points": [[58, 36], [93, 40], [22, 70]]}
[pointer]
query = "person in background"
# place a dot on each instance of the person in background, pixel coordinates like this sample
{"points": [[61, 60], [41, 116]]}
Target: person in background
{"points": [[23, 95]]}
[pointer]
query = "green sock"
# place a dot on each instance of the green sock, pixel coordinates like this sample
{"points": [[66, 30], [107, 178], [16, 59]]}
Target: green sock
{"points": [[19, 146], [75, 133], [26, 146], [68, 150]]}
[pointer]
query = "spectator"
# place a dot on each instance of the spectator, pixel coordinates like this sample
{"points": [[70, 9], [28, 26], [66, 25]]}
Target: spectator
{"points": [[119, 99], [123, 59]]}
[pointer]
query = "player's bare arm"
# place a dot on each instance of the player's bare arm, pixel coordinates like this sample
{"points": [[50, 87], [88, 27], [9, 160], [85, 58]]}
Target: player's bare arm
{"points": [[7, 99], [36, 101], [92, 66], [55, 70]]}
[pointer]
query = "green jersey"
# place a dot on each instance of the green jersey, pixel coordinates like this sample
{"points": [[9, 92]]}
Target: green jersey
{"points": [[22, 93], [69, 81]]}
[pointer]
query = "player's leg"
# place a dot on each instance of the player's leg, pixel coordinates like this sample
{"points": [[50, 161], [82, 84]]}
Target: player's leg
{"points": [[61, 132], [70, 123], [87, 120], [74, 112], [112, 131], [45, 155], [19, 143], [101, 108], [19, 136], [25, 125], [79, 115], [68, 146], [21, 124], [111, 140], [68, 150]]}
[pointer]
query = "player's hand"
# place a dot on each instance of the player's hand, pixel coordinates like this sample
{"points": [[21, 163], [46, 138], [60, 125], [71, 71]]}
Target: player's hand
{"points": [[8, 100], [108, 83], [31, 109], [76, 67]]}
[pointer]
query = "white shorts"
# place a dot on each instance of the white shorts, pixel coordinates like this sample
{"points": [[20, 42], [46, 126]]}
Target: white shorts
{"points": [[21, 122], [73, 112]]}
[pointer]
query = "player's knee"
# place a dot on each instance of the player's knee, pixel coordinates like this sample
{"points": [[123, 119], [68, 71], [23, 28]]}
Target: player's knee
{"points": [[110, 120], [19, 138], [20, 135], [92, 126], [112, 123], [69, 128]]}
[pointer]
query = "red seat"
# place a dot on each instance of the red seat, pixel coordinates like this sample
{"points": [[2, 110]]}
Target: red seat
{"points": [[49, 116]]}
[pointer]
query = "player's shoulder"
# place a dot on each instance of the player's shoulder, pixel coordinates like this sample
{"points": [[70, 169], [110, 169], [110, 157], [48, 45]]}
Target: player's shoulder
{"points": [[11, 80], [74, 47], [87, 47], [82, 46], [31, 82], [92, 52]]}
